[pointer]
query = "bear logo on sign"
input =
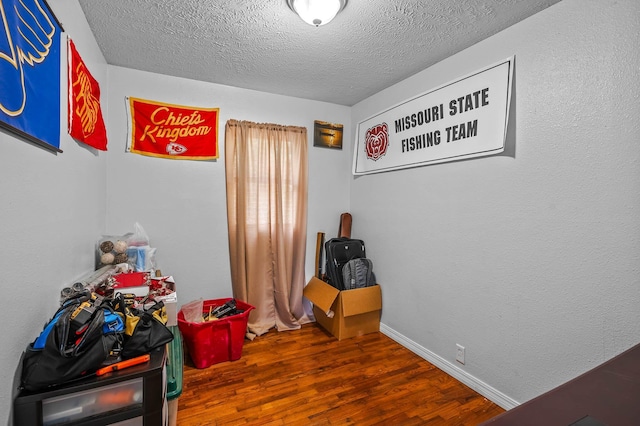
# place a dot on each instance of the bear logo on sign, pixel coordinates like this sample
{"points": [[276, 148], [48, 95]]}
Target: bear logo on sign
{"points": [[377, 141]]}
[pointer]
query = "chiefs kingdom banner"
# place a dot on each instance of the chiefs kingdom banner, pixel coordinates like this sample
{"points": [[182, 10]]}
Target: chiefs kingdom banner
{"points": [[85, 115], [172, 131]]}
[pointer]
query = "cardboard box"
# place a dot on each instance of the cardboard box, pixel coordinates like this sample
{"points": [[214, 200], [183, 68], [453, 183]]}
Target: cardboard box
{"points": [[347, 313]]}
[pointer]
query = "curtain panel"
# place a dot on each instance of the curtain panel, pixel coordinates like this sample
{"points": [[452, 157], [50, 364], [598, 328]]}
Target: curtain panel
{"points": [[266, 180]]}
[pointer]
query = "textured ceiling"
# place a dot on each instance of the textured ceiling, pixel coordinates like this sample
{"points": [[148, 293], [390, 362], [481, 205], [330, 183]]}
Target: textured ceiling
{"points": [[263, 45]]}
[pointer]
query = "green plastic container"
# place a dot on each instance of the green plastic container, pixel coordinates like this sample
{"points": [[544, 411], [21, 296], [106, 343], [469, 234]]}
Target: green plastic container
{"points": [[174, 374]]}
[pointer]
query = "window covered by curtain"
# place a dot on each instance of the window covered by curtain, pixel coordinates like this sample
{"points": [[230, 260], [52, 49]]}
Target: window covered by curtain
{"points": [[266, 177]]}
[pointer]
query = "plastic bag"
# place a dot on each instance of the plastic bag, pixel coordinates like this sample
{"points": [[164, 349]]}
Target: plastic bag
{"points": [[139, 236], [142, 257], [192, 311]]}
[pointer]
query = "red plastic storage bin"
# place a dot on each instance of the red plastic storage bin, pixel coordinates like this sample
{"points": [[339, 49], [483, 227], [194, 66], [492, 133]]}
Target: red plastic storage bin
{"points": [[212, 342]]}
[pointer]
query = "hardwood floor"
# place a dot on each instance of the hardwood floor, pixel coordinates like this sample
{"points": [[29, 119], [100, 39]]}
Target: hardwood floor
{"points": [[308, 377]]}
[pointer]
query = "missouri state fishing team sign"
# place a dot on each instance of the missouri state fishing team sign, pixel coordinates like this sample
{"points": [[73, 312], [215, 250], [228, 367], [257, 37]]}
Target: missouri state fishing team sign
{"points": [[463, 119]]}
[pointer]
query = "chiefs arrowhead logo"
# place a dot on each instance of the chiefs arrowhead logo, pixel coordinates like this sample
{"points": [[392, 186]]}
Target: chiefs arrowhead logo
{"points": [[176, 149]]}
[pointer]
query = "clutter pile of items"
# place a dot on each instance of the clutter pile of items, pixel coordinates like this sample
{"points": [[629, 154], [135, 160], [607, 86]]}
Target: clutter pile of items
{"points": [[117, 314]]}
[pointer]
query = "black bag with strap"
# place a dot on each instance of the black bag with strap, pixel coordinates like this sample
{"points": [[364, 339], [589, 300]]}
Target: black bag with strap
{"points": [[65, 352], [145, 329]]}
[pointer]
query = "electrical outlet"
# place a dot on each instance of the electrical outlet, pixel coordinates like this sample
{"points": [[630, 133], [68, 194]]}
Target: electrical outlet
{"points": [[460, 353]]}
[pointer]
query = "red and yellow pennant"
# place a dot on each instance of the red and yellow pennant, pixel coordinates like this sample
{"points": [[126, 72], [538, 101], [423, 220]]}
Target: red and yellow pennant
{"points": [[172, 131], [85, 115]]}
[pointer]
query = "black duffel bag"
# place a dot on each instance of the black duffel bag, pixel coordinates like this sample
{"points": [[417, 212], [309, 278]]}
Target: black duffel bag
{"points": [[65, 352]]}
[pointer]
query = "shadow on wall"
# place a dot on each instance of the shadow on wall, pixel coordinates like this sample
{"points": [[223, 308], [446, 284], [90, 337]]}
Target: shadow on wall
{"points": [[510, 142]]}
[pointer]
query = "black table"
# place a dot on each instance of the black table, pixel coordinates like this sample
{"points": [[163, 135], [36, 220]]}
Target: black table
{"points": [[606, 395]]}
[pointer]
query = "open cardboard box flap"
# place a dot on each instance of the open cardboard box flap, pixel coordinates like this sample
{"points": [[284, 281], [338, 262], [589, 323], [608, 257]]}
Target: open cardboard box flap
{"points": [[321, 294]]}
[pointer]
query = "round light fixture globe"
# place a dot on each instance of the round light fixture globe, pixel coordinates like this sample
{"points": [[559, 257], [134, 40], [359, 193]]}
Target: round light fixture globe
{"points": [[317, 12]]}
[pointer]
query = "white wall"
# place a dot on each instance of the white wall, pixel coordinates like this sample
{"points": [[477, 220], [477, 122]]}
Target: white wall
{"points": [[182, 204], [531, 260], [52, 210]]}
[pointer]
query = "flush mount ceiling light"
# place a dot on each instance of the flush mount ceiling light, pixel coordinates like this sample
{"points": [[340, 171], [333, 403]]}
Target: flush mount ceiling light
{"points": [[317, 12]]}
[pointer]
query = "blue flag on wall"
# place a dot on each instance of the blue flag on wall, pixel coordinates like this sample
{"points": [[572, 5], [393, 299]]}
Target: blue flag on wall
{"points": [[30, 71]]}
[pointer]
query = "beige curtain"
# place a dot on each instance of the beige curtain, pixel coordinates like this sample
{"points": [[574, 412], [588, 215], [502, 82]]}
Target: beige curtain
{"points": [[266, 173]]}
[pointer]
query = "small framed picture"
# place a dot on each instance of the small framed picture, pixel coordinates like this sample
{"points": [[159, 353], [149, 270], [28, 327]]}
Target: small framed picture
{"points": [[327, 135]]}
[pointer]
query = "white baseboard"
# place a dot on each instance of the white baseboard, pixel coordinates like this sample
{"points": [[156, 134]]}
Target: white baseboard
{"points": [[477, 385]]}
